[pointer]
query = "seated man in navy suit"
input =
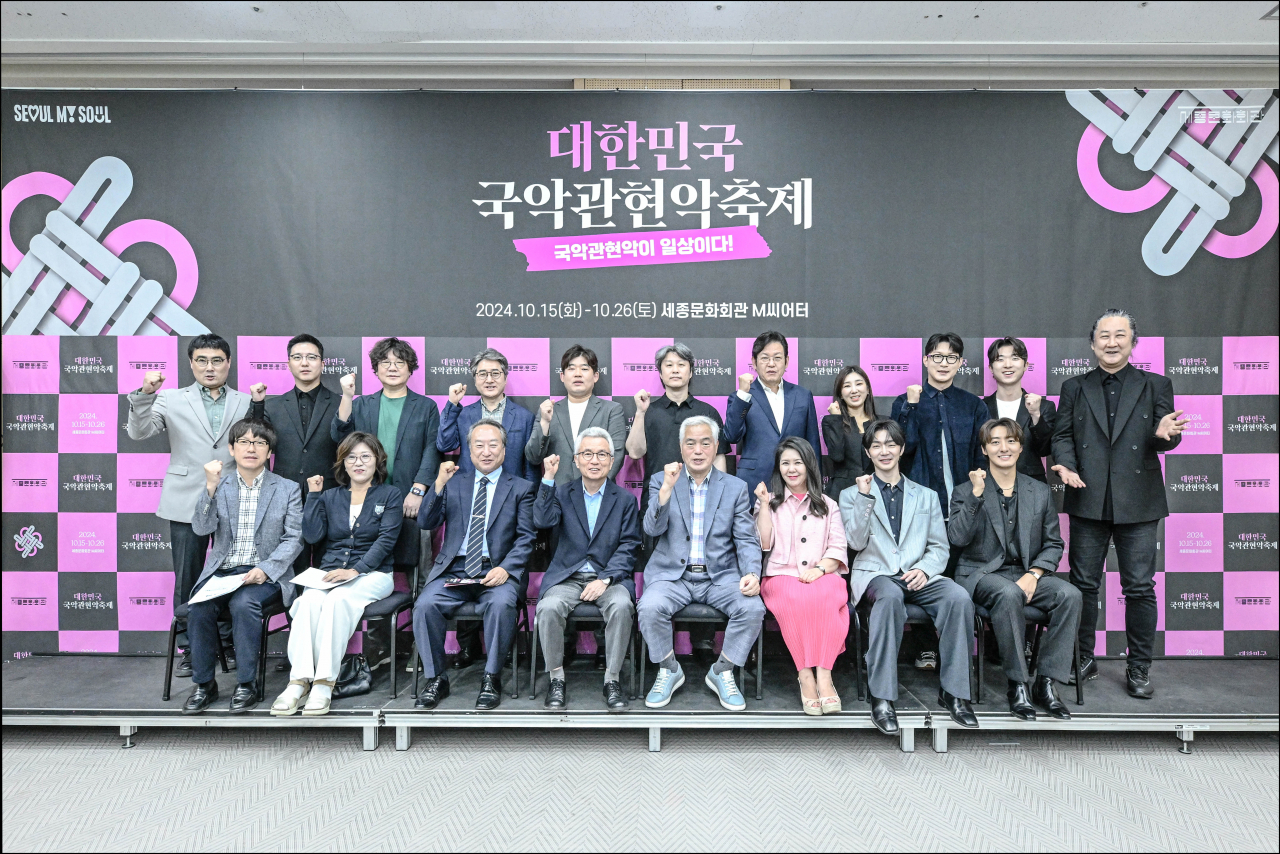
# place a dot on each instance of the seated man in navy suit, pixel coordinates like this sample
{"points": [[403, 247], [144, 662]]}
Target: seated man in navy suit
{"points": [[598, 530], [489, 536]]}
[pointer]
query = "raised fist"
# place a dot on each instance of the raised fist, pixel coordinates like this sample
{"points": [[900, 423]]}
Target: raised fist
{"points": [[152, 381], [834, 408], [670, 472], [456, 391], [348, 384], [864, 484], [551, 465], [259, 392], [979, 480], [744, 383], [545, 411], [447, 471], [315, 483], [1033, 404], [212, 473], [642, 401], [913, 393], [763, 495]]}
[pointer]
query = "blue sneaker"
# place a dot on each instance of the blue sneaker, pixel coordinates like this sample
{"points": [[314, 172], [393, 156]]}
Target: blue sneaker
{"points": [[664, 686], [726, 688]]}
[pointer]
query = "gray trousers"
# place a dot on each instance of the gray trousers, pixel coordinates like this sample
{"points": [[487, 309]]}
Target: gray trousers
{"points": [[555, 605], [997, 592], [951, 610], [662, 599]]}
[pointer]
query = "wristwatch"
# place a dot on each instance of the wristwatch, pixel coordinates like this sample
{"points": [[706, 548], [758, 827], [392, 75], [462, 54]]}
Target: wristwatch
{"points": [[1038, 573], [418, 491]]}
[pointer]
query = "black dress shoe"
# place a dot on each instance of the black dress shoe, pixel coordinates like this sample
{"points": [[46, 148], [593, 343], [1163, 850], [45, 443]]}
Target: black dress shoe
{"points": [[436, 690], [183, 667], [1044, 695], [1090, 668], [490, 692], [1139, 679], [556, 695], [1020, 702], [244, 698], [614, 698], [231, 660], [201, 698], [599, 663], [960, 710], [465, 657], [884, 716]]}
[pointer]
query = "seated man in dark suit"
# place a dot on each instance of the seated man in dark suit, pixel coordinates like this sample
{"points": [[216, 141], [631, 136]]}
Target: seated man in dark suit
{"points": [[598, 530], [1011, 544], [489, 537]]}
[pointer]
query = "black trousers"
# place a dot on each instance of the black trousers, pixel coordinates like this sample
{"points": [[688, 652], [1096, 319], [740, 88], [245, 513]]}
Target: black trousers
{"points": [[1136, 554]]}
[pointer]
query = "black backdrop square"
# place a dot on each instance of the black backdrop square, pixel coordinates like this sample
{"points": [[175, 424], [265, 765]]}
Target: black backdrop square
{"points": [[89, 365], [87, 602], [1192, 601], [157, 444], [1249, 424], [603, 348], [1194, 365], [446, 361], [1207, 468], [1250, 542], [142, 543], [44, 530], [714, 367], [87, 483], [1251, 644], [820, 360], [30, 423], [1068, 357]]}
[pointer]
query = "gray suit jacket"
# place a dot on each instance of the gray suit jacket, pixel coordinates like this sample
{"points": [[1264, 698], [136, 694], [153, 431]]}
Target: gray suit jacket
{"points": [[192, 442], [559, 439], [731, 544], [978, 525], [278, 531], [921, 545]]}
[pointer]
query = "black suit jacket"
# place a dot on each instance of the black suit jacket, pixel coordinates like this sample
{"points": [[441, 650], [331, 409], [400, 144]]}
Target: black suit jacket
{"points": [[510, 532], [1038, 443], [977, 525], [302, 454], [1128, 459], [417, 460], [611, 549]]}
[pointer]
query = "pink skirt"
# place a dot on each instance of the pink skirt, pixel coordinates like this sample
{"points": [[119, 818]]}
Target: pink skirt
{"points": [[814, 617]]}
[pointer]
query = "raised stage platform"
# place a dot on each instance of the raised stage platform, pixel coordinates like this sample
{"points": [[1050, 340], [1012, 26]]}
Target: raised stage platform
{"points": [[117, 691]]}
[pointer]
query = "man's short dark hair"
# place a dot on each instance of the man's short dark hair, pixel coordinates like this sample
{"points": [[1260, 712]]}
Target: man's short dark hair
{"points": [[208, 341], [304, 338], [956, 342], [1019, 349], [1014, 428], [764, 339], [393, 347], [578, 350], [893, 428], [259, 428]]}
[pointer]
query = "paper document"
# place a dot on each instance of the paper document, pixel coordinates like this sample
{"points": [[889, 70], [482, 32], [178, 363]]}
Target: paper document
{"points": [[218, 585], [314, 577]]}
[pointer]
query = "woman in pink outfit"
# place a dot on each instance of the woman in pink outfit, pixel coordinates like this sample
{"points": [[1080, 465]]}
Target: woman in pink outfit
{"points": [[801, 530]]}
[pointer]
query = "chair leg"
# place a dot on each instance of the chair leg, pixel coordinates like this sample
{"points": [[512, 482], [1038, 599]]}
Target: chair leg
{"points": [[981, 664], [631, 644], [857, 653], [168, 664], [394, 618], [1035, 649], [644, 660], [533, 659], [262, 660], [222, 655], [1079, 681], [759, 664]]}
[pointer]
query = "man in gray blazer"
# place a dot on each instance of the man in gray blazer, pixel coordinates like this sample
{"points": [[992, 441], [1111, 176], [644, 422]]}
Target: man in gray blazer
{"points": [[896, 527], [706, 550], [1008, 531], [255, 518], [559, 423], [196, 420]]}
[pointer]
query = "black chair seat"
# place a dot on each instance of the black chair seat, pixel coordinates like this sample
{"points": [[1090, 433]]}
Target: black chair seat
{"points": [[387, 606], [916, 614], [699, 612], [586, 611], [1034, 616]]}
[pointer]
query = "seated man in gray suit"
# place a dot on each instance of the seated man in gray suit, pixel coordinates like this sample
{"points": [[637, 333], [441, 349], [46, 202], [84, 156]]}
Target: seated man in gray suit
{"points": [[255, 517], [1011, 548], [895, 525], [705, 550]]}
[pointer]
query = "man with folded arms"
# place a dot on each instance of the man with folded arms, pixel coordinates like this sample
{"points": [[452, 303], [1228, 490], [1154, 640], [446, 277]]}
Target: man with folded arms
{"points": [[597, 536], [255, 517], [706, 550], [895, 527], [1008, 528]]}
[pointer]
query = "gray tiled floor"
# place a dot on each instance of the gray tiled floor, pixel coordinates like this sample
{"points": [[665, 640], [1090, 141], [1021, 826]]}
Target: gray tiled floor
{"points": [[76, 790]]}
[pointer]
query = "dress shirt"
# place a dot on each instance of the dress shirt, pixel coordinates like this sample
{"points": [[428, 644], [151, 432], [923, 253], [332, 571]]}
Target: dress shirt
{"points": [[306, 406], [1009, 505], [214, 408], [495, 414], [698, 520], [492, 477], [1112, 387], [777, 405], [944, 426], [244, 551], [662, 432], [892, 504], [801, 539], [592, 503]]}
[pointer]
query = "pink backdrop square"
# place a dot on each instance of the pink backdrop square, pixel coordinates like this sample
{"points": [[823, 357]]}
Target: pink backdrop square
{"points": [[30, 618], [144, 350], [1236, 499], [1253, 585], [874, 352], [96, 432], [31, 348], [1035, 380], [367, 383], [263, 350], [742, 359], [633, 367], [523, 354], [1193, 542], [89, 641], [1193, 643], [1203, 433], [1148, 354], [32, 499], [1252, 349], [78, 553], [134, 499], [144, 585]]}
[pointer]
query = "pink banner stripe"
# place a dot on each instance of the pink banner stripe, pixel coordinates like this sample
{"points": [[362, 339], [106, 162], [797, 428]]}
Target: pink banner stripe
{"points": [[637, 248]]}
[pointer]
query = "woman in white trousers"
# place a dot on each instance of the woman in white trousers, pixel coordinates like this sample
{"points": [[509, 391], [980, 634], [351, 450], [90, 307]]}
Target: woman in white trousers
{"points": [[360, 520]]}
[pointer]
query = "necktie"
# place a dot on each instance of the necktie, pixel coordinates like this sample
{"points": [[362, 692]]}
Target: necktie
{"points": [[475, 534]]}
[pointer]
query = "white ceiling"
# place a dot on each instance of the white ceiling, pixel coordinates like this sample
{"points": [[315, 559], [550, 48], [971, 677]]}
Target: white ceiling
{"points": [[385, 43]]}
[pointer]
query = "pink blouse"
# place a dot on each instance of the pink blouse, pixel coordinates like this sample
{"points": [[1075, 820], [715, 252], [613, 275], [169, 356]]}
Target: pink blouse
{"points": [[801, 539]]}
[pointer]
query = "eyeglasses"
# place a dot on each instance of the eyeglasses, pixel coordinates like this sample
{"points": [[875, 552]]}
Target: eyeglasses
{"points": [[588, 456], [360, 458], [304, 357], [771, 360], [490, 375], [943, 358], [253, 443], [391, 364], [216, 362]]}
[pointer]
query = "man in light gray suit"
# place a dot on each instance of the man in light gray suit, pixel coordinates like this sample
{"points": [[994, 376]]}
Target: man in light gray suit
{"points": [[896, 527], [560, 423], [255, 517], [196, 420], [706, 550]]}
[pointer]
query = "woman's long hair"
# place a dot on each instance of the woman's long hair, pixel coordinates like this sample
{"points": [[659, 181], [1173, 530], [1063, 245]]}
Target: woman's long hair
{"points": [[348, 445], [812, 475], [868, 406]]}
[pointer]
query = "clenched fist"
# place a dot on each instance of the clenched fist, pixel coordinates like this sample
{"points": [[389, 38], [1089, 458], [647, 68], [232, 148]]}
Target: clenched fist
{"points": [[152, 381], [551, 465], [864, 484], [259, 392], [315, 483], [913, 393], [456, 392], [763, 496], [1032, 402], [348, 384], [212, 475], [642, 401], [545, 411], [834, 408], [447, 471], [979, 480], [744, 383]]}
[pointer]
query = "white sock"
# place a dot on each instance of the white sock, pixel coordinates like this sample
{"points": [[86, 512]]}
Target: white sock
{"points": [[319, 694], [293, 692], [557, 673]]}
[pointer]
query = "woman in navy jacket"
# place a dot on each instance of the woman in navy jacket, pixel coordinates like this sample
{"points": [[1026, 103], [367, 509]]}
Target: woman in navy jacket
{"points": [[360, 522]]}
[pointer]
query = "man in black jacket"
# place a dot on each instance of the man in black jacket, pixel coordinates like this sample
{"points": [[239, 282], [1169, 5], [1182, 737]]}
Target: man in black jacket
{"points": [[1007, 359], [1112, 422]]}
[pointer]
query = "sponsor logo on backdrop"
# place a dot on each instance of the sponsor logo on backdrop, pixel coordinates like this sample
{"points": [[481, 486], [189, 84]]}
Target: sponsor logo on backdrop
{"points": [[55, 113], [88, 602], [1169, 133], [104, 282], [28, 541]]}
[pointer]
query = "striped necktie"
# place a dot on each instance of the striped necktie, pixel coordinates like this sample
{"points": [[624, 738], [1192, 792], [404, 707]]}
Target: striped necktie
{"points": [[475, 535]]}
